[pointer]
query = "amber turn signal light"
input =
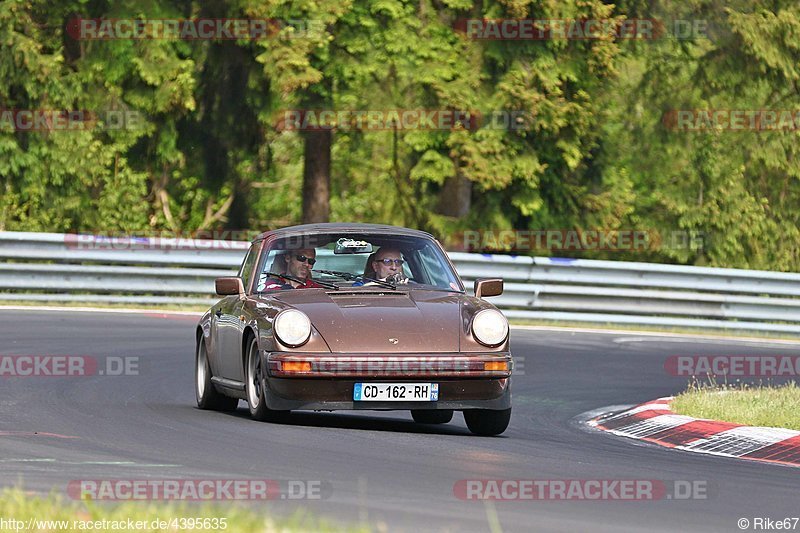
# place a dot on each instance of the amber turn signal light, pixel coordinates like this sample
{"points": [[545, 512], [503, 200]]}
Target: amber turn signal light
{"points": [[296, 366]]}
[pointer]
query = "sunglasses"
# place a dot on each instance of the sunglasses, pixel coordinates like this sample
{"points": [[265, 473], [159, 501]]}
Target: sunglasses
{"points": [[304, 259], [387, 262]]}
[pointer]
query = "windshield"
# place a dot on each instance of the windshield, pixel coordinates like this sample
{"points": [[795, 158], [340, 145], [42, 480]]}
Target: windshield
{"points": [[355, 260]]}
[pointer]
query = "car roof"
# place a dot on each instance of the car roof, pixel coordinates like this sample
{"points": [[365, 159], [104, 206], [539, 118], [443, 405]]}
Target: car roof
{"points": [[343, 227]]}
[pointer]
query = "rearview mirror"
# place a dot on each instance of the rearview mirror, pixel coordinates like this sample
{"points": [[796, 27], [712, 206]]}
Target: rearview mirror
{"points": [[352, 246], [488, 287], [229, 286]]}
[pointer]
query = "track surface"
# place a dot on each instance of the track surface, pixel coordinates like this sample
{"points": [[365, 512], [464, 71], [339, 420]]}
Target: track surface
{"points": [[383, 468]]}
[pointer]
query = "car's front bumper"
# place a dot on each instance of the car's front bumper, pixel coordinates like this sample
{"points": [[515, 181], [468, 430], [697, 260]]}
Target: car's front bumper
{"points": [[463, 379]]}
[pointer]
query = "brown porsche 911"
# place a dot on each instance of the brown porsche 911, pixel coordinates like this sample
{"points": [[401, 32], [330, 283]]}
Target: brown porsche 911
{"points": [[355, 316]]}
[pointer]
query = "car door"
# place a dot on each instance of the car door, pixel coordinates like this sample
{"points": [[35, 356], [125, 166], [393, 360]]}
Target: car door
{"points": [[230, 322]]}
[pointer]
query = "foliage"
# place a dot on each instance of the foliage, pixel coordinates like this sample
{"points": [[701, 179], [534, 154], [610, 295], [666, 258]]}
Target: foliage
{"points": [[597, 147]]}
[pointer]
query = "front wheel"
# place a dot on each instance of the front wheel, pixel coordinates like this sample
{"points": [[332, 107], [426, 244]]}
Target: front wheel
{"points": [[254, 374], [486, 421], [206, 395], [430, 416]]}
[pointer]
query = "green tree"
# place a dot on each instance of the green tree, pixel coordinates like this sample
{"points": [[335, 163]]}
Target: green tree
{"points": [[736, 188]]}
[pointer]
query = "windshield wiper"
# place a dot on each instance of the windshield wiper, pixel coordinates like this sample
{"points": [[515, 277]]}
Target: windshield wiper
{"points": [[379, 282], [301, 282], [350, 277]]}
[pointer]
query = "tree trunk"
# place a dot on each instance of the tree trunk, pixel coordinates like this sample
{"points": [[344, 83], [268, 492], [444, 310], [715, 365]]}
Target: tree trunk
{"points": [[455, 197], [317, 176]]}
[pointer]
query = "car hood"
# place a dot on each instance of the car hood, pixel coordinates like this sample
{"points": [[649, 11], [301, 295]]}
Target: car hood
{"points": [[363, 321]]}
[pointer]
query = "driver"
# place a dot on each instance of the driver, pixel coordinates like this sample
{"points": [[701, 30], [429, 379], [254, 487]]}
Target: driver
{"points": [[295, 263], [388, 265]]}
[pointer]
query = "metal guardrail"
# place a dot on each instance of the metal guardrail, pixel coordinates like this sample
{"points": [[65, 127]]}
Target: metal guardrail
{"points": [[68, 268]]}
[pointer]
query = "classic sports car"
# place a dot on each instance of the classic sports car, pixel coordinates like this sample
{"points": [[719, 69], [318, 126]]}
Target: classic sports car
{"points": [[355, 316]]}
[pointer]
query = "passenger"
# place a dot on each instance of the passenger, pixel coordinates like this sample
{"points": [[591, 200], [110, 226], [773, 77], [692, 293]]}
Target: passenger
{"points": [[295, 263]]}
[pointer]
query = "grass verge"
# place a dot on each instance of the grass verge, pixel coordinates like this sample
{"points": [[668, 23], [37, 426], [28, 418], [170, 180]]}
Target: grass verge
{"points": [[55, 513], [742, 404]]}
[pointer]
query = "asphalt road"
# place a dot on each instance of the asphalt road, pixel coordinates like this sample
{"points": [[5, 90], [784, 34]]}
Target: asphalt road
{"points": [[379, 467]]}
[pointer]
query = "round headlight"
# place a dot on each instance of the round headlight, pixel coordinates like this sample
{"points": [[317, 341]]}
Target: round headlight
{"points": [[292, 327], [490, 327]]}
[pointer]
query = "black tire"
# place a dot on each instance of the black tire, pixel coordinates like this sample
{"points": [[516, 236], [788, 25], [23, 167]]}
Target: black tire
{"points": [[254, 387], [430, 416], [206, 395], [487, 422]]}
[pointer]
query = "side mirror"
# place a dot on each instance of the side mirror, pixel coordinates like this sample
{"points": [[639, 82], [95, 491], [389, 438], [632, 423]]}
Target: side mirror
{"points": [[488, 287], [229, 286]]}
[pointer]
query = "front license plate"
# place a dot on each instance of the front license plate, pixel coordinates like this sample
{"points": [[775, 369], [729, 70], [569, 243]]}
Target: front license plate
{"points": [[396, 392]]}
